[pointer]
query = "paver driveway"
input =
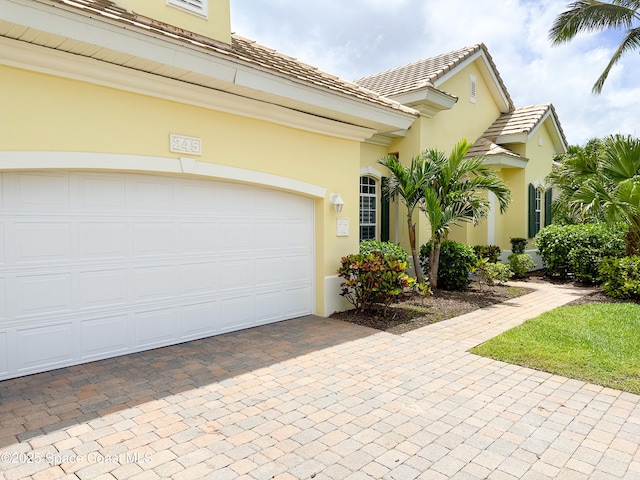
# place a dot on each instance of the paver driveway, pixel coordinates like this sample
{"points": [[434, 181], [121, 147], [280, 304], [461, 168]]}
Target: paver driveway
{"points": [[319, 398]]}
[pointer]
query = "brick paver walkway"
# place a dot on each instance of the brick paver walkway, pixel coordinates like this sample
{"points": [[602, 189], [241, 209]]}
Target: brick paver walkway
{"points": [[319, 398]]}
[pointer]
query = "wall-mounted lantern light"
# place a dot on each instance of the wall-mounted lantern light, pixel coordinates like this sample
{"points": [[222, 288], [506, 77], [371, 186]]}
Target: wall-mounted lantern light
{"points": [[336, 200]]}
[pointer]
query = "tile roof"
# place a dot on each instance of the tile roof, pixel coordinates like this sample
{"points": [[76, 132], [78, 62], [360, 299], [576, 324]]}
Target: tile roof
{"points": [[522, 120], [485, 147], [424, 73], [241, 50]]}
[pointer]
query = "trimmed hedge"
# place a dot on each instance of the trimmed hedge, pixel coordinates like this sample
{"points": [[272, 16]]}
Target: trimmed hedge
{"points": [[621, 277], [388, 249], [578, 249]]}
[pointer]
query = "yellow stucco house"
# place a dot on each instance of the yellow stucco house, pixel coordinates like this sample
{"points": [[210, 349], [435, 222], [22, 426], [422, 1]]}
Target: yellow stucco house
{"points": [[163, 180]]}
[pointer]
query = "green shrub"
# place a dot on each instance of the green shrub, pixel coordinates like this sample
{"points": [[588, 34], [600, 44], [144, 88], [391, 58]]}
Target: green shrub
{"points": [[492, 273], [490, 252], [518, 244], [621, 277], [388, 249], [578, 249], [520, 264], [370, 279], [457, 260]]}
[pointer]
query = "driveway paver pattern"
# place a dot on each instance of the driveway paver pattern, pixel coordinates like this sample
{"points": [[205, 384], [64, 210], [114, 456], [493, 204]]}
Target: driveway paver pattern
{"points": [[323, 399]]}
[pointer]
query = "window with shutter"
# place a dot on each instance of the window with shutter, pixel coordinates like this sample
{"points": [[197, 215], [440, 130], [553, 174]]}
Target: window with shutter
{"points": [[548, 199], [368, 208]]}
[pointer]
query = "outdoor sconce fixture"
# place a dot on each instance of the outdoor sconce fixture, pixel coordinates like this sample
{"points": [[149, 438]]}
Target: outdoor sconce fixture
{"points": [[336, 200]]}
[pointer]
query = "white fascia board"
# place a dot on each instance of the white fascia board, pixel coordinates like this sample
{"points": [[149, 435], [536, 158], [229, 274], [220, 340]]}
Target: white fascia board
{"points": [[264, 82], [435, 100], [554, 131], [58, 21], [507, 161], [487, 71], [513, 138], [32, 57]]}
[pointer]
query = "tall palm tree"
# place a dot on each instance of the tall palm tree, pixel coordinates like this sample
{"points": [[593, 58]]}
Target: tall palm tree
{"points": [[455, 192], [595, 15], [406, 184]]}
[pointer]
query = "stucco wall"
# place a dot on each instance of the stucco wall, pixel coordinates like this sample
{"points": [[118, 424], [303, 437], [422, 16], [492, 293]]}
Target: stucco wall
{"points": [[48, 113]]}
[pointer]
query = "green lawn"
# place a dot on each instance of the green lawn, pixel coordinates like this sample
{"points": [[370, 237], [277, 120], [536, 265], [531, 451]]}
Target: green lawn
{"points": [[598, 343]]}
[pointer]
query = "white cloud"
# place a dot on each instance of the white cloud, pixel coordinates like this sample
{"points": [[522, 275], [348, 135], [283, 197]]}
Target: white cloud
{"points": [[356, 38]]}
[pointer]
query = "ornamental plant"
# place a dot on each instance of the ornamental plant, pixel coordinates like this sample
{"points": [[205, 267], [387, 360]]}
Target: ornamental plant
{"points": [[372, 279], [490, 252], [457, 261], [621, 277], [520, 264], [389, 249], [492, 273]]}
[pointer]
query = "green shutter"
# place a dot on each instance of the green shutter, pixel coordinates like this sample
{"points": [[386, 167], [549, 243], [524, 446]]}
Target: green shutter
{"points": [[548, 198], [532, 211], [384, 212]]}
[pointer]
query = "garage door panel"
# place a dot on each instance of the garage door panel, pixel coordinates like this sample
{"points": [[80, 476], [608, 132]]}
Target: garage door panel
{"points": [[154, 283], [102, 288], [270, 235], [154, 238], [152, 194], [297, 268], [37, 190], [154, 328], [198, 198], [45, 346], [42, 241], [43, 293], [101, 192], [236, 313], [236, 274], [199, 278], [269, 270], [269, 307], [297, 301], [236, 200], [297, 234], [102, 240], [3, 299], [94, 265], [4, 354], [103, 337], [236, 236], [200, 319], [199, 238]]}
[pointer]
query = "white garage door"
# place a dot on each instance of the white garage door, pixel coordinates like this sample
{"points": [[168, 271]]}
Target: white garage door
{"points": [[95, 265]]}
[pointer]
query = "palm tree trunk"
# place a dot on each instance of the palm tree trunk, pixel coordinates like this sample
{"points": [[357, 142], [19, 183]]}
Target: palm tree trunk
{"points": [[414, 253], [434, 262]]}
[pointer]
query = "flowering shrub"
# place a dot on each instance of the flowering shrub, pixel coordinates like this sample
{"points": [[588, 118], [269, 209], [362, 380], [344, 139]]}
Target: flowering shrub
{"points": [[373, 278]]}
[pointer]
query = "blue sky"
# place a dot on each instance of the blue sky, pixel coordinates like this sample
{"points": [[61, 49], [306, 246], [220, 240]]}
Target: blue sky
{"points": [[359, 37]]}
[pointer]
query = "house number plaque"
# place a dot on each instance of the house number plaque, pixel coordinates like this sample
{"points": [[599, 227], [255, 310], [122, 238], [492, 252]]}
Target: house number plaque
{"points": [[184, 144]]}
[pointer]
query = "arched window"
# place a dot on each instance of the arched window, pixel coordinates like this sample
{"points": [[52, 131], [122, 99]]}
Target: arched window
{"points": [[368, 208]]}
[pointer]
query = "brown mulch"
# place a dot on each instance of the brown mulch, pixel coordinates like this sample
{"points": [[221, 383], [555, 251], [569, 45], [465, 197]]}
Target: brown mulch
{"points": [[414, 312]]}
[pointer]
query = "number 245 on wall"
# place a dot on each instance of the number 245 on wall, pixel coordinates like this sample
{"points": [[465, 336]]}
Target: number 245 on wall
{"points": [[184, 144]]}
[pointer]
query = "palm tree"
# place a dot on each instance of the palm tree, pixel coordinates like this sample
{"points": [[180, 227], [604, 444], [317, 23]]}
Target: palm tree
{"points": [[610, 191], [455, 193], [594, 15], [406, 184]]}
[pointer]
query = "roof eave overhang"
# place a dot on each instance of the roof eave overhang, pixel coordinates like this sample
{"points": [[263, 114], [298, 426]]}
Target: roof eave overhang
{"points": [[231, 76], [553, 128], [427, 100], [505, 161], [488, 73]]}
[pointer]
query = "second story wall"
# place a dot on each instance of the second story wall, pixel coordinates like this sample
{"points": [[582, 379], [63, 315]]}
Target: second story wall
{"points": [[210, 18]]}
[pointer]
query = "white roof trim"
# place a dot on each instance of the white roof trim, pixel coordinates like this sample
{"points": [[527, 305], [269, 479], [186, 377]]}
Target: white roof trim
{"points": [[507, 161]]}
